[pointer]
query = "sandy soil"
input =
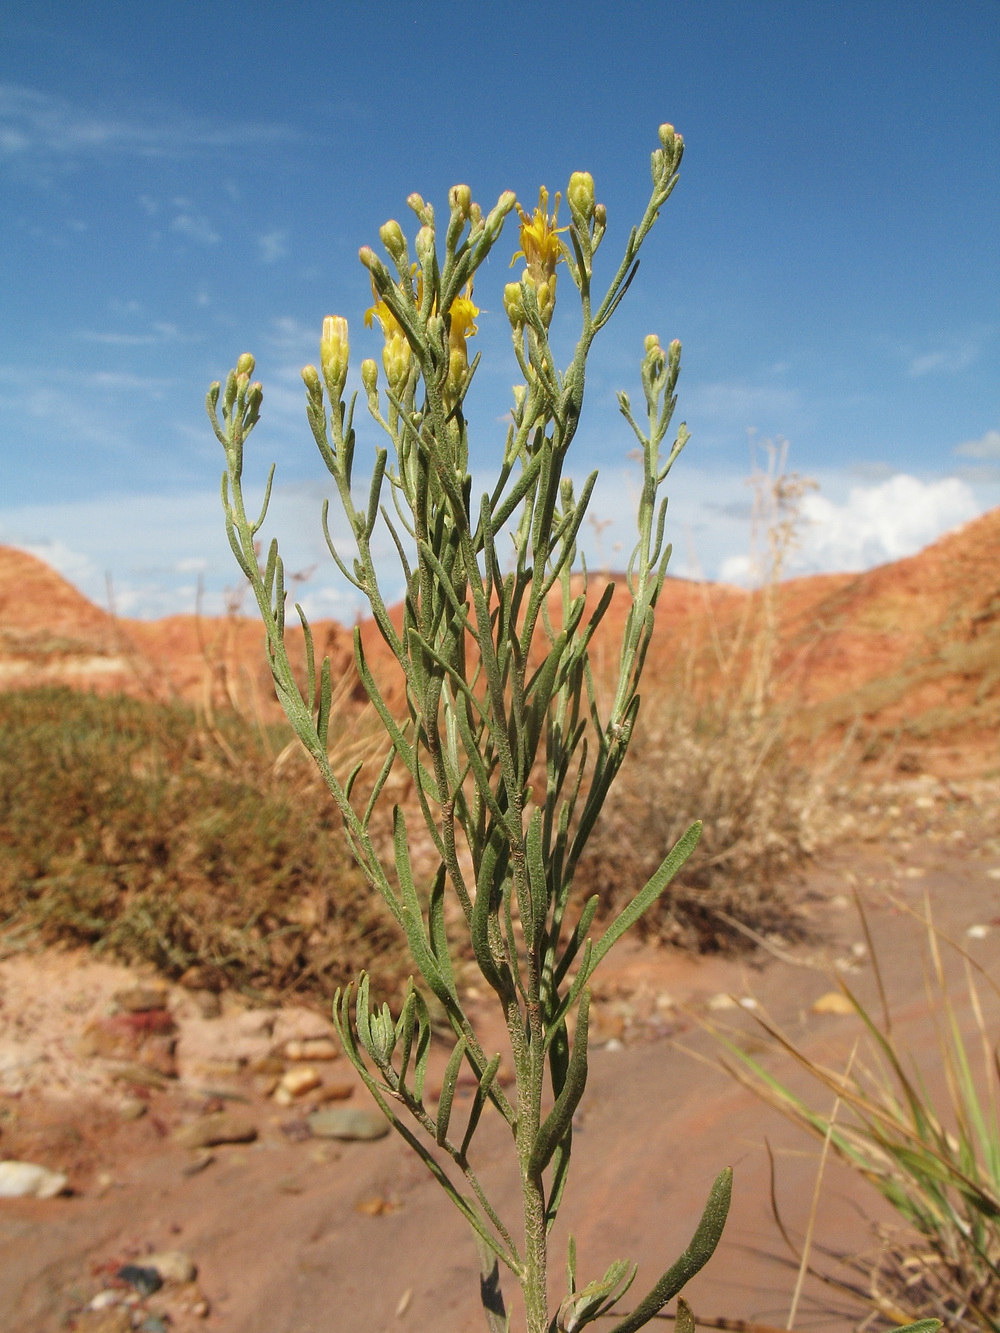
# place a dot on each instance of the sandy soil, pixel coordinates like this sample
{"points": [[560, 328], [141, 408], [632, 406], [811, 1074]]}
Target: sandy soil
{"points": [[292, 1234]]}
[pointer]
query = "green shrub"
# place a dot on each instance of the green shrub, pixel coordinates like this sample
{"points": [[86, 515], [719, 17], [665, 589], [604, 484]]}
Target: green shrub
{"points": [[126, 826]]}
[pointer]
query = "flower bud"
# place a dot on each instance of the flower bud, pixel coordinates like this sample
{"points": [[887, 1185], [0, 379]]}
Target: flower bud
{"points": [[391, 235], [674, 353], [506, 202], [367, 256], [600, 217], [460, 200], [369, 375], [458, 365], [423, 210], [425, 249], [334, 351], [396, 361], [580, 194], [513, 303], [656, 357], [668, 137], [245, 365], [546, 293], [520, 393], [310, 378]]}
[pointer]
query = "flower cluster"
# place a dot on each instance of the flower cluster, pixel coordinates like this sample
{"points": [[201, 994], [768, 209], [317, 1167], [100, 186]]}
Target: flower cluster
{"points": [[541, 249]]}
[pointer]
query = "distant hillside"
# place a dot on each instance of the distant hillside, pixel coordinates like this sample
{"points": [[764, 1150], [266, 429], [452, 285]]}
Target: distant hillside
{"points": [[910, 650]]}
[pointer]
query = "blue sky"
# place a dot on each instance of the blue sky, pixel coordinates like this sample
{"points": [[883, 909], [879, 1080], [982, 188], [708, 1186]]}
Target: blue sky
{"points": [[184, 182]]}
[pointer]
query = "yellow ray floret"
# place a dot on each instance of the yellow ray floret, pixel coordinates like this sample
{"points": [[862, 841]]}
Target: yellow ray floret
{"points": [[541, 249]]}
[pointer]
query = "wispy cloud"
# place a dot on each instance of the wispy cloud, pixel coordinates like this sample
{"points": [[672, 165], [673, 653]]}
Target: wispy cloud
{"points": [[944, 360], [272, 246], [195, 226], [38, 129], [158, 333], [987, 446], [160, 552]]}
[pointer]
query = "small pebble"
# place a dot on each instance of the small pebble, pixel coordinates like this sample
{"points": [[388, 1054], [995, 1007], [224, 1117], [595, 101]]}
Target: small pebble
{"points": [[311, 1048], [105, 1299], [198, 1163], [348, 1123], [19, 1180], [296, 1083], [219, 1127], [145, 1280], [833, 1002], [172, 1265]]}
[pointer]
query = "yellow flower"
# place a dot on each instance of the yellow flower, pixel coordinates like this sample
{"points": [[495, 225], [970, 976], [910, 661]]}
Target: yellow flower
{"points": [[396, 352], [463, 314], [463, 320], [541, 249], [388, 322]]}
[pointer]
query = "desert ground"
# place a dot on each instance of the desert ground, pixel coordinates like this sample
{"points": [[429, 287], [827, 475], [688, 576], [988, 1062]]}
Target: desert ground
{"points": [[119, 1079]]}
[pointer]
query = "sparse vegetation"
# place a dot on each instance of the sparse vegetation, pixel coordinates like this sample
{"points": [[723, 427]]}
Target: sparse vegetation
{"points": [[928, 1139], [128, 826], [759, 811]]}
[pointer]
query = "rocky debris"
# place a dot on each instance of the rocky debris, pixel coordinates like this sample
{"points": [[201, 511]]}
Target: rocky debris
{"points": [[141, 1278], [172, 1265], [216, 1128], [202, 1158], [300, 1024], [114, 1319], [345, 1122], [141, 999], [175, 1303], [145, 1037], [20, 1180], [832, 1002], [295, 1131], [18, 1062], [312, 1048], [333, 1092], [296, 1083], [226, 1044]]}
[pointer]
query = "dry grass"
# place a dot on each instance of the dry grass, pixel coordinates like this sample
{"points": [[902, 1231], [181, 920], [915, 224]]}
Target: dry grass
{"points": [[763, 816], [712, 743], [131, 827], [927, 1138]]}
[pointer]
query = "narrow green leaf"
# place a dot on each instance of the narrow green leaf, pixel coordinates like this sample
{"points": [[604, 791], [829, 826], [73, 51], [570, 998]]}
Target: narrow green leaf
{"points": [[448, 1089], [559, 1122], [694, 1258], [645, 899]]}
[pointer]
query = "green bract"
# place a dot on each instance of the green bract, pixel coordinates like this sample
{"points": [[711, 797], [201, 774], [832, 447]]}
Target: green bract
{"points": [[504, 738]]}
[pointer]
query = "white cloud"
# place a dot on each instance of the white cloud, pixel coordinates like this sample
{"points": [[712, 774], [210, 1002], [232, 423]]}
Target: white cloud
{"points": [[987, 446], [271, 246], [876, 524], [196, 227], [948, 361], [151, 546], [159, 332], [37, 128]]}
